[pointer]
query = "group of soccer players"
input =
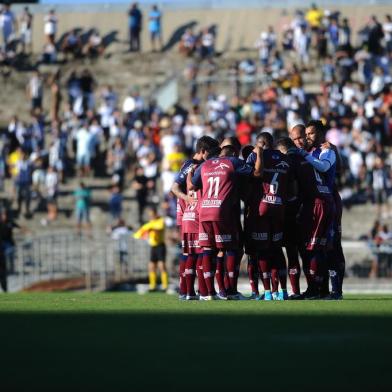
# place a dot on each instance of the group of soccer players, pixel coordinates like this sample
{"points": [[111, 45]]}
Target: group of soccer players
{"points": [[290, 200]]}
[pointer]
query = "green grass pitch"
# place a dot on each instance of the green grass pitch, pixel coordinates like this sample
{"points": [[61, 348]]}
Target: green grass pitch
{"points": [[131, 342]]}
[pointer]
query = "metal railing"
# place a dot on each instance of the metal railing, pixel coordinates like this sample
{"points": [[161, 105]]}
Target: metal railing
{"points": [[98, 258]]}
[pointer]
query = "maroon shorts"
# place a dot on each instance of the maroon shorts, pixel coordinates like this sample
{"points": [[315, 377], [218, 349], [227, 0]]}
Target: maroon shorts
{"points": [[316, 220], [218, 235], [263, 232], [190, 243]]}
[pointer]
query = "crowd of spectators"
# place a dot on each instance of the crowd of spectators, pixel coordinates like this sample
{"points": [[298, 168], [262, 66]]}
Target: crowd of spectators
{"points": [[87, 131]]}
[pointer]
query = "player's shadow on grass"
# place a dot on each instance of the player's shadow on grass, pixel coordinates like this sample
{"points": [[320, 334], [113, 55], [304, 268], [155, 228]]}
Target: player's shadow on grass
{"points": [[143, 351]]}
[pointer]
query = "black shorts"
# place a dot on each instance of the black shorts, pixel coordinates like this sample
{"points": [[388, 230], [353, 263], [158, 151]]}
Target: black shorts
{"points": [[158, 253]]}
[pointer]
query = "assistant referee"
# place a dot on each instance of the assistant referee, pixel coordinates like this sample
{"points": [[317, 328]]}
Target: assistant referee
{"points": [[155, 230]]}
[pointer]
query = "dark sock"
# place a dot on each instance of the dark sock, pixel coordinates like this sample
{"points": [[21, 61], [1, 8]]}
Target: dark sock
{"points": [[209, 271], [220, 274], [274, 279], [294, 269], [190, 274], [240, 254], [265, 269], [183, 259], [334, 276], [341, 265], [280, 261], [230, 268], [253, 274], [200, 277]]}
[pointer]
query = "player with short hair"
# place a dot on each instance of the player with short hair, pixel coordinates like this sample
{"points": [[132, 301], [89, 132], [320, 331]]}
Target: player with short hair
{"points": [[325, 161], [265, 231], [217, 177], [323, 210], [231, 147], [291, 239], [179, 188]]}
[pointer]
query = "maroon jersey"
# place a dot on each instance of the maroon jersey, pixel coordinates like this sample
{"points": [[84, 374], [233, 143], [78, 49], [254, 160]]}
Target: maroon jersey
{"points": [[276, 176], [190, 217], [181, 181], [218, 178], [311, 183]]}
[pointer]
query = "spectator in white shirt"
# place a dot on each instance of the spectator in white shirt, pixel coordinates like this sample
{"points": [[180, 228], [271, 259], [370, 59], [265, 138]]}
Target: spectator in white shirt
{"points": [[50, 26], [84, 150]]}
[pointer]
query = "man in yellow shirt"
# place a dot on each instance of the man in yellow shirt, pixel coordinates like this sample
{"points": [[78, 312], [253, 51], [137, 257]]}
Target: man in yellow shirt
{"points": [[314, 16], [155, 231]]}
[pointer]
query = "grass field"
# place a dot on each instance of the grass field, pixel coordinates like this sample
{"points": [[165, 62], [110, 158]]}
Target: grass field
{"points": [[119, 341]]}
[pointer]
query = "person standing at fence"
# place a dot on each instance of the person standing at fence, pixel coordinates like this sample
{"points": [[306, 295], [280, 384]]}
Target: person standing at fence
{"points": [[135, 22], [155, 231], [82, 207]]}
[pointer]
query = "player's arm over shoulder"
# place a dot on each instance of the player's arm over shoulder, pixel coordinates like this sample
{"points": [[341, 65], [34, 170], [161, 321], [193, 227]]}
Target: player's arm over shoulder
{"points": [[325, 161]]}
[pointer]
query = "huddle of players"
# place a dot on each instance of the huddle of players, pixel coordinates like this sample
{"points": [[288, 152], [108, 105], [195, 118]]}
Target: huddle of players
{"points": [[290, 199]]}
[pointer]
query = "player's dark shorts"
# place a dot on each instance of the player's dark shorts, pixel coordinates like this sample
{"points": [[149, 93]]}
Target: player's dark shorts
{"points": [[158, 253], [190, 243], [291, 228], [315, 222], [264, 232], [218, 235]]}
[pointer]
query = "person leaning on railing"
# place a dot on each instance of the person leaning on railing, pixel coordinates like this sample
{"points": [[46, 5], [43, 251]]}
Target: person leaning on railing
{"points": [[154, 230]]}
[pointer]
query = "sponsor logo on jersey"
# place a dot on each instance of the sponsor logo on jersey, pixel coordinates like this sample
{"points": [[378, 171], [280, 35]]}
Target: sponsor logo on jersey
{"points": [[282, 164], [275, 157], [211, 203], [189, 216], [203, 236], [323, 189], [222, 166], [217, 173], [259, 236], [277, 237], [272, 199], [223, 238]]}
